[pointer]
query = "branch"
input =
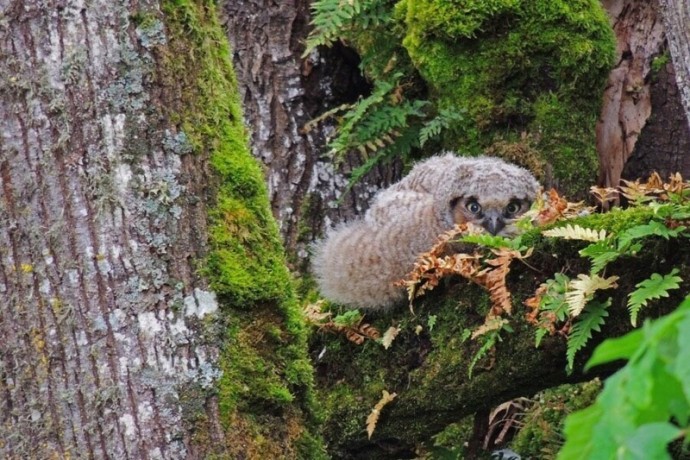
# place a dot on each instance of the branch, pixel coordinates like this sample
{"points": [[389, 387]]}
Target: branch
{"points": [[429, 371]]}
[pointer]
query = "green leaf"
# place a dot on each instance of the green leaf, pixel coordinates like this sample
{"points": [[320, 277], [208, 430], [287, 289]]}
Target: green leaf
{"points": [[655, 287], [653, 228], [681, 367], [613, 349], [649, 442], [591, 319], [489, 340], [433, 127], [349, 318], [600, 254], [578, 431], [630, 418], [431, 322], [539, 336]]}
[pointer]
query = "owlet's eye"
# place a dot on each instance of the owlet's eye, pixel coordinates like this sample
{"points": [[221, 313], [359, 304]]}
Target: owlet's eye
{"points": [[473, 207], [512, 208]]}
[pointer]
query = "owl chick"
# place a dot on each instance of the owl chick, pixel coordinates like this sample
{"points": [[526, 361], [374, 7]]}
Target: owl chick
{"points": [[358, 263]]}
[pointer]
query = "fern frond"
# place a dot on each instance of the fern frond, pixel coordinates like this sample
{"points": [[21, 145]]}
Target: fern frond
{"points": [[575, 232], [591, 320], [553, 299], [332, 18], [402, 146], [492, 323], [653, 228], [600, 254], [376, 121], [436, 125], [655, 287], [582, 289], [309, 126], [489, 340]]}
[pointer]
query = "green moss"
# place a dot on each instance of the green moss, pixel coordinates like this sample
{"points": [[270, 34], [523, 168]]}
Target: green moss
{"points": [[265, 366], [659, 62], [542, 425], [517, 67]]}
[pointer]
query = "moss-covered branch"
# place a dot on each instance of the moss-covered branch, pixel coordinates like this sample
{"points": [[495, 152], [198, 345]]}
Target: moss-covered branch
{"points": [[429, 370]]}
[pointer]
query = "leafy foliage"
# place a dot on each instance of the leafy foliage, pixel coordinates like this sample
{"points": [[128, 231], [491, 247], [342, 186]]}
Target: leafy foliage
{"points": [[655, 287], [646, 404], [383, 125], [331, 18], [350, 324], [591, 320], [667, 200], [433, 128], [489, 341]]}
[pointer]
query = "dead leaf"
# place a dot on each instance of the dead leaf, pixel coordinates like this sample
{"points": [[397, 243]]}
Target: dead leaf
{"points": [[313, 314], [581, 290], [389, 336], [576, 232], [492, 323], [373, 417]]}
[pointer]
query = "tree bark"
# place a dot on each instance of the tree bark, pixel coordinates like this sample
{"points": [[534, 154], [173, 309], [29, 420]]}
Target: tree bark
{"points": [[281, 93], [626, 101], [102, 305], [664, 143], [676, 16], [111, 337]]}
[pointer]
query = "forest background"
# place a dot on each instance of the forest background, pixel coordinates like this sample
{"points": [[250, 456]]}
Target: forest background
{"points": [[166, 166]]}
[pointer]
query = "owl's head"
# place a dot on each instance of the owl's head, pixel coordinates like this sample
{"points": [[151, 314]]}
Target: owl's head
{"points": [[495, 216], [491, 193]]}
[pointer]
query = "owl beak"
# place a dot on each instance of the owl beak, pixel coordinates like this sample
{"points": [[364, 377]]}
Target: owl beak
{"points": [[493, 222]]}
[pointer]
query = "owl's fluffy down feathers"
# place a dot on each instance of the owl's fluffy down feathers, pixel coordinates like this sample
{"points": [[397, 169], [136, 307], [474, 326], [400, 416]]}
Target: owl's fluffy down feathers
{"points": [[358, 263]]}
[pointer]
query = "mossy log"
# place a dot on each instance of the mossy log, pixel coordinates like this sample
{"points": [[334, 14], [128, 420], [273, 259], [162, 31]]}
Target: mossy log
{"points": [[429, 370]]}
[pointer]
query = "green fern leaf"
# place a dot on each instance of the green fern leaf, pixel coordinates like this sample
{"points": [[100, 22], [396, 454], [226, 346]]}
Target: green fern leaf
{"points": [[600, 254], [653, 228], [655, 287], [489, 340], [554, 300], [332, 19], [554, 303], [539, 336], [591, 319], [436, 125]]}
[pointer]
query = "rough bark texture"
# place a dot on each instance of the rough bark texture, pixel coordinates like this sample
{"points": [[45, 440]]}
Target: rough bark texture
{"points": [[676, 15], [102, 311], [627, 102], [281, 93], [664, 143]]}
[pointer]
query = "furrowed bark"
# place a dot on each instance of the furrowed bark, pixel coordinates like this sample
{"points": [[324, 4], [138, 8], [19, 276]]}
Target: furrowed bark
{"points": [[102, 308], [676, 16], [281, 93]]}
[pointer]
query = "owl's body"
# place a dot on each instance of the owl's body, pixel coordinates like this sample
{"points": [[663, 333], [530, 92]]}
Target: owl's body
{"points": [[358, 263]]}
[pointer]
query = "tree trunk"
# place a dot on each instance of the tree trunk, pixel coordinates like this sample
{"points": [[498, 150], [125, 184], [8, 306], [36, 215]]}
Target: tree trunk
{"points": [[281, 93], [676, 15], [644, 119], [110, 336], [626, 102]]}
